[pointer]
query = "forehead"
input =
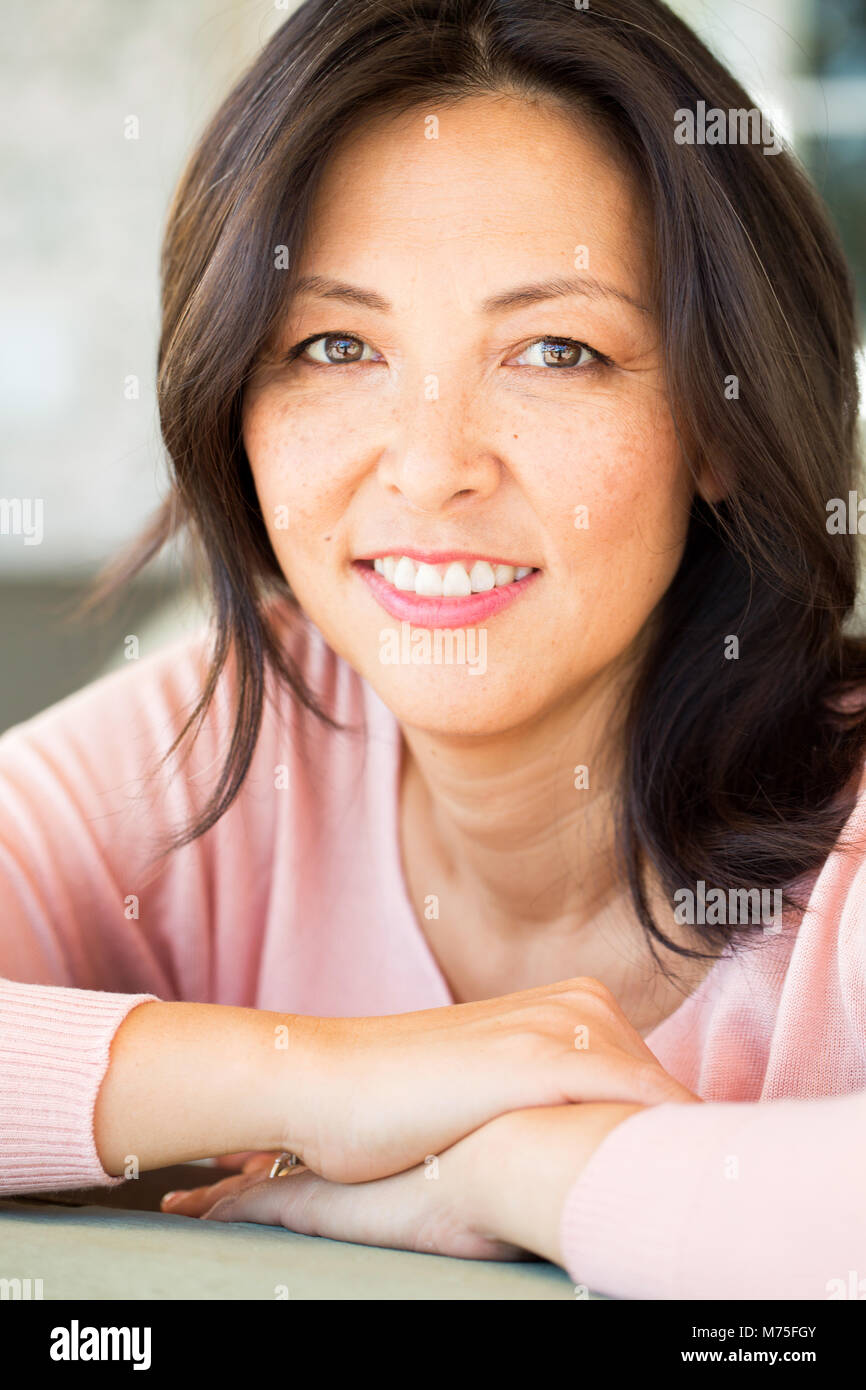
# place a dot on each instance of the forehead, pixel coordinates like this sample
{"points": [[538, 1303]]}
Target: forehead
{"points": [[492, 180]]}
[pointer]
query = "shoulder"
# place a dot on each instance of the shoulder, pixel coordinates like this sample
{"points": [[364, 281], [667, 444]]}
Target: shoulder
{"points": [[109, 742], [845, 865], [830, 944], [119, 717], [149, 699]]}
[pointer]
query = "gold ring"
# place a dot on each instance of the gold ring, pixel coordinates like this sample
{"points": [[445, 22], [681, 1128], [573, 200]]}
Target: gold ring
{"points": [[283, 1164]]}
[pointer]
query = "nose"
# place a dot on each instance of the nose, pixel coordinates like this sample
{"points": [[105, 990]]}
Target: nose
{"points": [[439, 451]]}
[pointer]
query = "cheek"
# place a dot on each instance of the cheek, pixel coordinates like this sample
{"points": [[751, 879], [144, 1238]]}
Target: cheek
{"points": [[617, 495], [304, 471]]}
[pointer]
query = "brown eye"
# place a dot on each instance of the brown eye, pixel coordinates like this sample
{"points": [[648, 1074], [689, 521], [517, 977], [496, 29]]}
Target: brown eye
{"points": [[334, 349], [560, 353]]}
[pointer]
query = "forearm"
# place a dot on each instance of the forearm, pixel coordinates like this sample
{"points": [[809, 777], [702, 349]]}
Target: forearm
{"points": [[187, 1081]]}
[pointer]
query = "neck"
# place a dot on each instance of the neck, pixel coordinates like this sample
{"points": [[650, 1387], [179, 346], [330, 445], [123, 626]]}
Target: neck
{"points": [[507, 821]]}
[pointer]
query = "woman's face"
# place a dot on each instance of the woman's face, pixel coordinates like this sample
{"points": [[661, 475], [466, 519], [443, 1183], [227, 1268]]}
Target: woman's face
{"points": [[436, 421]]}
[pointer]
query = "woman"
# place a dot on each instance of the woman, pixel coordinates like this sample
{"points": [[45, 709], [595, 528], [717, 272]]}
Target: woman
{"points": [[462, 337]]}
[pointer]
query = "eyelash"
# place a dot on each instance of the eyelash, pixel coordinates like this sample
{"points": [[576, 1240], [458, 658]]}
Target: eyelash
{"points": [[600, 360]]}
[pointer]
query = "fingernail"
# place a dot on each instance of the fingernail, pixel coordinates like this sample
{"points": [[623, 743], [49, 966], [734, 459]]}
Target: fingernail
{"points": [[169, 1198]]}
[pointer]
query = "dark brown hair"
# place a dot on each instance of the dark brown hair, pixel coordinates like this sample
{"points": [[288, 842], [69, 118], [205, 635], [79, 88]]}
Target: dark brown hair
{"points": [[738, 772]]}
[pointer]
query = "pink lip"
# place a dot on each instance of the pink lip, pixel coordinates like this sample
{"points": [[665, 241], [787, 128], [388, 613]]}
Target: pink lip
{"points": [[441, 612], [439, 557]]}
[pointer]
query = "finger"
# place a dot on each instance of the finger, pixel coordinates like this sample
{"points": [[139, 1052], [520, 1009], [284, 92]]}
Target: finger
{"points": [[658, 1086], [260, 1162], [399, 1213], [195, 1200], [274, 1201], [615, 1076]]}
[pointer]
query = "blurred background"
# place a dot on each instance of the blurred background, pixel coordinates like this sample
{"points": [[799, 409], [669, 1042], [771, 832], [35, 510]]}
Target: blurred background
{"points": [[102, 102]]}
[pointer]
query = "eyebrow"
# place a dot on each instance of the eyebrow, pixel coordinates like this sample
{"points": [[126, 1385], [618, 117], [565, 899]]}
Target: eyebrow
{"points": [[559, 287]]}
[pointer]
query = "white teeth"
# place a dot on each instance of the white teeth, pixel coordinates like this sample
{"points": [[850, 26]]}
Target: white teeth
{"points": [[404, 574], [482, 577], [428, 581], [456, 583], [452, 580]]}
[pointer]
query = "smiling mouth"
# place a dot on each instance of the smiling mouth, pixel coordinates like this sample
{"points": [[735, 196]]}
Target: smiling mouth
{"points": [[446, 593], [454, 579]]}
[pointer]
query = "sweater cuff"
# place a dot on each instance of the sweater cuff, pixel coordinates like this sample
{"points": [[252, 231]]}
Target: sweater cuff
{"points": [[54, 1051], [624, 1219]]}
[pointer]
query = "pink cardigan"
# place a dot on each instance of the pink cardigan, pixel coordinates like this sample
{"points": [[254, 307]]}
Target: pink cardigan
{"points": [[295, 901]]}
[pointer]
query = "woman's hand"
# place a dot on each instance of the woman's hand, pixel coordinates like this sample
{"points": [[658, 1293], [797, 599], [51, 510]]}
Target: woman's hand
{"points": [[369, 1097], [495, 1195], [408, 1211]]}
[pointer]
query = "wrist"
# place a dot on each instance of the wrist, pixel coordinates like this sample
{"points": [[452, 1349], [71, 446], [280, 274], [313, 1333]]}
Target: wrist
{"points": [[519, 1168], [187, 1081], [293, 1048]]}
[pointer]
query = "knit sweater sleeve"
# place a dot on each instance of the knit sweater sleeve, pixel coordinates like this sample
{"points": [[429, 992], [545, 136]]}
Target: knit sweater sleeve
{"points": [[54, 1052], [725, 1200]]}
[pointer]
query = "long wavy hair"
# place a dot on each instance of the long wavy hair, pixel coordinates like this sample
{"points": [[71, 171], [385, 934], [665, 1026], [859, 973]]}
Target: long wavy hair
{"points": [[737, 771]]}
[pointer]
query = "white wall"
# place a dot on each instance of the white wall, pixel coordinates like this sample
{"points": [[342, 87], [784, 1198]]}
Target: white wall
{"points": [[80, 222]]}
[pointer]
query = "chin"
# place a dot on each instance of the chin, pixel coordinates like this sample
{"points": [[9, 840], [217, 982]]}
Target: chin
{"points": [[454, 702]]}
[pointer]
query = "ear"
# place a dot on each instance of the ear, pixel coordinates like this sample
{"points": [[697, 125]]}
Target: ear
{"points": [[713, 482], [712, 478]]}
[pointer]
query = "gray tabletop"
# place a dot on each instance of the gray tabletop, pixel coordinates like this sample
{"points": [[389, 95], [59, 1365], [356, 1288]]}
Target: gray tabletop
{"points": [[100, 1244]]}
